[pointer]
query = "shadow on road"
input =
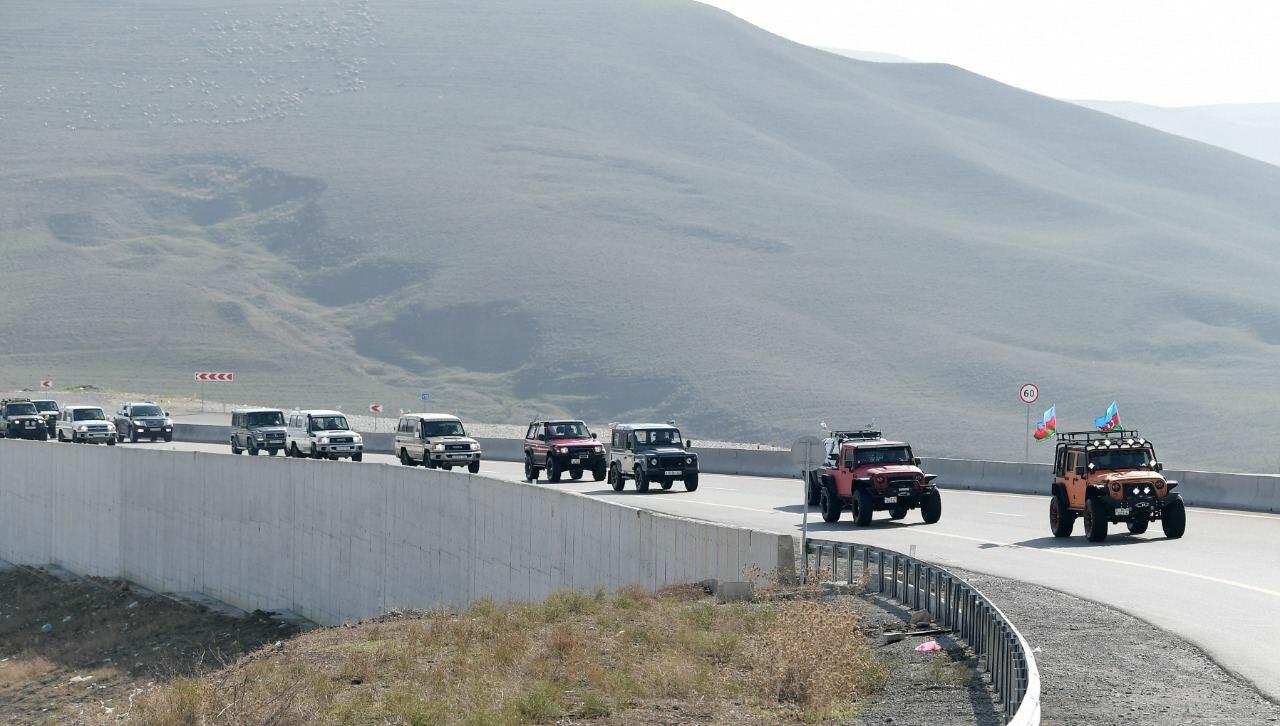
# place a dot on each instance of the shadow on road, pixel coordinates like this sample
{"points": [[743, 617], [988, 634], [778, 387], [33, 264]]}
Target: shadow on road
{"points": [[1116, 539]]}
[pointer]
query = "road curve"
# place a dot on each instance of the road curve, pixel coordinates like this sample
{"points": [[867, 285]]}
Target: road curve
{"points": [[1217, 587]]}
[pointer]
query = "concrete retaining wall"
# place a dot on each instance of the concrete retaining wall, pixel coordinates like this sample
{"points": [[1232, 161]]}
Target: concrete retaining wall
{"points": [[337, 542]]}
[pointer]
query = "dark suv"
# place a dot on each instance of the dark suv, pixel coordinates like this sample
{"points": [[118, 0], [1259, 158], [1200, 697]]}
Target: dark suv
{"points": [[257, 429], [22, 420], [137, 421], [559, 446], [651, 454]]}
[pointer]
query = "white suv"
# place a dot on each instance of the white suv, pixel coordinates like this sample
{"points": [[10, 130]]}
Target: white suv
{"points": [[85, 424], [436, 440], [322, 435]]}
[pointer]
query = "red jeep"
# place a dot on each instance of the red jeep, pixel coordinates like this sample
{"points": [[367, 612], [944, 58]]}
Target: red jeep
{"points": [[562, 445], [870, 475]]}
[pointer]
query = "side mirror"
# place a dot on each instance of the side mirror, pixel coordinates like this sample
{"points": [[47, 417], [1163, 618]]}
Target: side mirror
{"points": [[593, 436], [688, 443], [1079, 471], [1157, 466], [166, 414], [916, 461]]}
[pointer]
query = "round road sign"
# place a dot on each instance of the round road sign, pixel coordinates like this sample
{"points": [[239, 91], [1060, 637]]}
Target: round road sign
{"points": [[1029, 393]]}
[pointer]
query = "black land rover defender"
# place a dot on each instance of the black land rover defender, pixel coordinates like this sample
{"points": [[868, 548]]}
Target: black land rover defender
{"points": [[651, 454]]}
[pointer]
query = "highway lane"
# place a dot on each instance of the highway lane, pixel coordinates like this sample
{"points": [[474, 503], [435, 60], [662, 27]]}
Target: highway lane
{"points": [[1218, 586]]}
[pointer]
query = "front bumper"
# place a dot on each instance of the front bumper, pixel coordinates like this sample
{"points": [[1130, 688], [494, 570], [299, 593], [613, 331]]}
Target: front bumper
{"points": [[1145, 507], [453, 457], [94, 437], [886, 499], [34, 431], [156, 431], [658, 472], [578, 461], [340, 449]]}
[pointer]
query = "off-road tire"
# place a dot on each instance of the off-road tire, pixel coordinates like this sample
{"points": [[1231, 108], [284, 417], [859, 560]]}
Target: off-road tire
{"points": [[358, 457], [427, 462], [44, 436], [447, 467], [1061, 519], [1095, 520], [642, 480], [111, 442], [599, 472], [899, 512], [616, 482], [236, 449], [272, 452], [404, 457], [1174, 520], [575, 473], [530, 471], [814, 496], [832, 507], [315, 453], [553, 471], [168, 438], [253, 448], [474, 467], [58, 434], [665, 482], [863, 508], [691, 482], [1138, 525]]}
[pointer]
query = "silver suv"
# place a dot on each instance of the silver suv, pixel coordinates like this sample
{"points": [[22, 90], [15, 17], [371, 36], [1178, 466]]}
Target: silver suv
{"points": [[257, 429], [436, 440]]}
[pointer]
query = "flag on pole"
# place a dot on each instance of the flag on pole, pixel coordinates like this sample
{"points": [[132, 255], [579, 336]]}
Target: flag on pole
{"points": [[1048, 425], [1109, 420]]}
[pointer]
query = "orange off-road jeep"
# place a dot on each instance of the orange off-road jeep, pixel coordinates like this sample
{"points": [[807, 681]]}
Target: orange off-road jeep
{"points": [[1114, 477]]}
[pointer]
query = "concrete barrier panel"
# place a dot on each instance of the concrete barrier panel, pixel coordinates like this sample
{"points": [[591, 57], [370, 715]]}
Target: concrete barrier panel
{"points": [[336, 541]]}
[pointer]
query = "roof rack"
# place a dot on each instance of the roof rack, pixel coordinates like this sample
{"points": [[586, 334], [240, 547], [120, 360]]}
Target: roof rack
{"points": [[1084, 437], [860, 434]]}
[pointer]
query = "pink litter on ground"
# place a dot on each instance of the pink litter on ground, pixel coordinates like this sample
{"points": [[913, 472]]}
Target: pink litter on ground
{"points": [[928, 646]]}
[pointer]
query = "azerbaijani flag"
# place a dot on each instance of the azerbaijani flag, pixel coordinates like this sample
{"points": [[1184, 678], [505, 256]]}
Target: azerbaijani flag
{"points": [[1048, 425], [1109, 420]]}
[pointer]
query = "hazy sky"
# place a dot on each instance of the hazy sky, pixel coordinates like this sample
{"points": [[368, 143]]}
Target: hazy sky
{"points": [[1164, 52]]}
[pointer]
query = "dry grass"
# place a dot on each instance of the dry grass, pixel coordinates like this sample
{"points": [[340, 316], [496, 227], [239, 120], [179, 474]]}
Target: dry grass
{"points": [[626, 657]]}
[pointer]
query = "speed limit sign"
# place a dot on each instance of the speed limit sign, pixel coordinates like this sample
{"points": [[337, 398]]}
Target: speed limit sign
{"points": [[1029, 393]]}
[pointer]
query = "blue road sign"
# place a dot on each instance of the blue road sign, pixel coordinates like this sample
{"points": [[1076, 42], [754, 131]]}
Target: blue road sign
{"points": [[426, 396]]}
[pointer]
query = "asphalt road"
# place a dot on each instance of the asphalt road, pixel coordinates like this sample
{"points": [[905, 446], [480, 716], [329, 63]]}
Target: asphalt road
{"points": [[1218, 586]]}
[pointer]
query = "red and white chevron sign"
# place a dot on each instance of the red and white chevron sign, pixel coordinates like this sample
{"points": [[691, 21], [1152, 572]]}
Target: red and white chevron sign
{"points": [[375, 408], [46, 384], [204, 376]]}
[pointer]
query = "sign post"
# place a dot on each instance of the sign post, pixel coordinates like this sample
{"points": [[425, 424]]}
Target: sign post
{"points": [[803, 451], [375, 409], [1028, 394], [212, 377]]}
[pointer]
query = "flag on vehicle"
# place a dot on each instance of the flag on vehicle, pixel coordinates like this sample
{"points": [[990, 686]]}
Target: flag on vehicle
{"points": [[1048, 425], [1109, 420]]}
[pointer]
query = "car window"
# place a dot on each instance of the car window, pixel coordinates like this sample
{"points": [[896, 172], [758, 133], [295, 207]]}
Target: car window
{"points": [[442, 428], [89, 414]]}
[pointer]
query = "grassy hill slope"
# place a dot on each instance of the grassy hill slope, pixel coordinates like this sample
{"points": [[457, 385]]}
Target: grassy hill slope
{"points": [[617, 209]]}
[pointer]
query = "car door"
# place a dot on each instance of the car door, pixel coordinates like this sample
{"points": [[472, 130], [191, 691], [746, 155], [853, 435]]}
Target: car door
{"points": [[1075, 480], [540, 446]]}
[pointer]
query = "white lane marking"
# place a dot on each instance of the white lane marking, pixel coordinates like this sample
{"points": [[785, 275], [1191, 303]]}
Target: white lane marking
{"points": [[1006, 514], [1110, 560]]}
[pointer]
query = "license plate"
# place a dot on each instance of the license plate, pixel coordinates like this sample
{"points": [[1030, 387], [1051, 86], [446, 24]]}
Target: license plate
{"points": [[674, 473], [890, 500], [342, 448], [575, 461], [1122, 511]]}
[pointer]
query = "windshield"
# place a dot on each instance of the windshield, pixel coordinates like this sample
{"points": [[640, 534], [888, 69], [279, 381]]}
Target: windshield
{"points": [[442, 428], [885, 455], [1126, 459], [147, 411], [329, 423], [20, 409], [568, 430], [265, 418], [88, 414], [46, 406], [658, 437]]}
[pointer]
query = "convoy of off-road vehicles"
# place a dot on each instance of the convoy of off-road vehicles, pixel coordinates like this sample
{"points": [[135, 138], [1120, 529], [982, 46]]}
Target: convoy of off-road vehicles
{"points": [[1100, 477]]}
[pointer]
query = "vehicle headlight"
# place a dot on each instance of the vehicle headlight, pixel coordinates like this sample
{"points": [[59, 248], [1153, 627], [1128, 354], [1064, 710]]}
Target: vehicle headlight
{"points": [[357, 439], [82, 428], [475, 446], [259, 436], [653, 461], [438, 447], [598, 449], [561, 449], [688, 459]]}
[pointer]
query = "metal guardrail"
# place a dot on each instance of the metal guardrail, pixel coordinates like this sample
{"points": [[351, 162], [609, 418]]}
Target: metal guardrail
{"points": [[953, 603]]}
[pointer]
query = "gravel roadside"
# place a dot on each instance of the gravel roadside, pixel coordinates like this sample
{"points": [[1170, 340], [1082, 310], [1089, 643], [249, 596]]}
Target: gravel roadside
{"points": [[1101, 666]]}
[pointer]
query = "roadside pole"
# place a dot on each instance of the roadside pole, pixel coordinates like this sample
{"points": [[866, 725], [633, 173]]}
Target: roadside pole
{"points": [[804, 520], [1026, 455], [1028, 394]]}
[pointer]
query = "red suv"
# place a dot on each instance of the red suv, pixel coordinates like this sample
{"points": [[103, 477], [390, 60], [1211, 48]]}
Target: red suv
{"points": [[562, 445], [871, 475]]}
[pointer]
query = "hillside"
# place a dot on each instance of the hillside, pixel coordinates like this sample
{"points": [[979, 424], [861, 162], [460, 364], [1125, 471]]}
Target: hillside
{"points": [[618, 208]]}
